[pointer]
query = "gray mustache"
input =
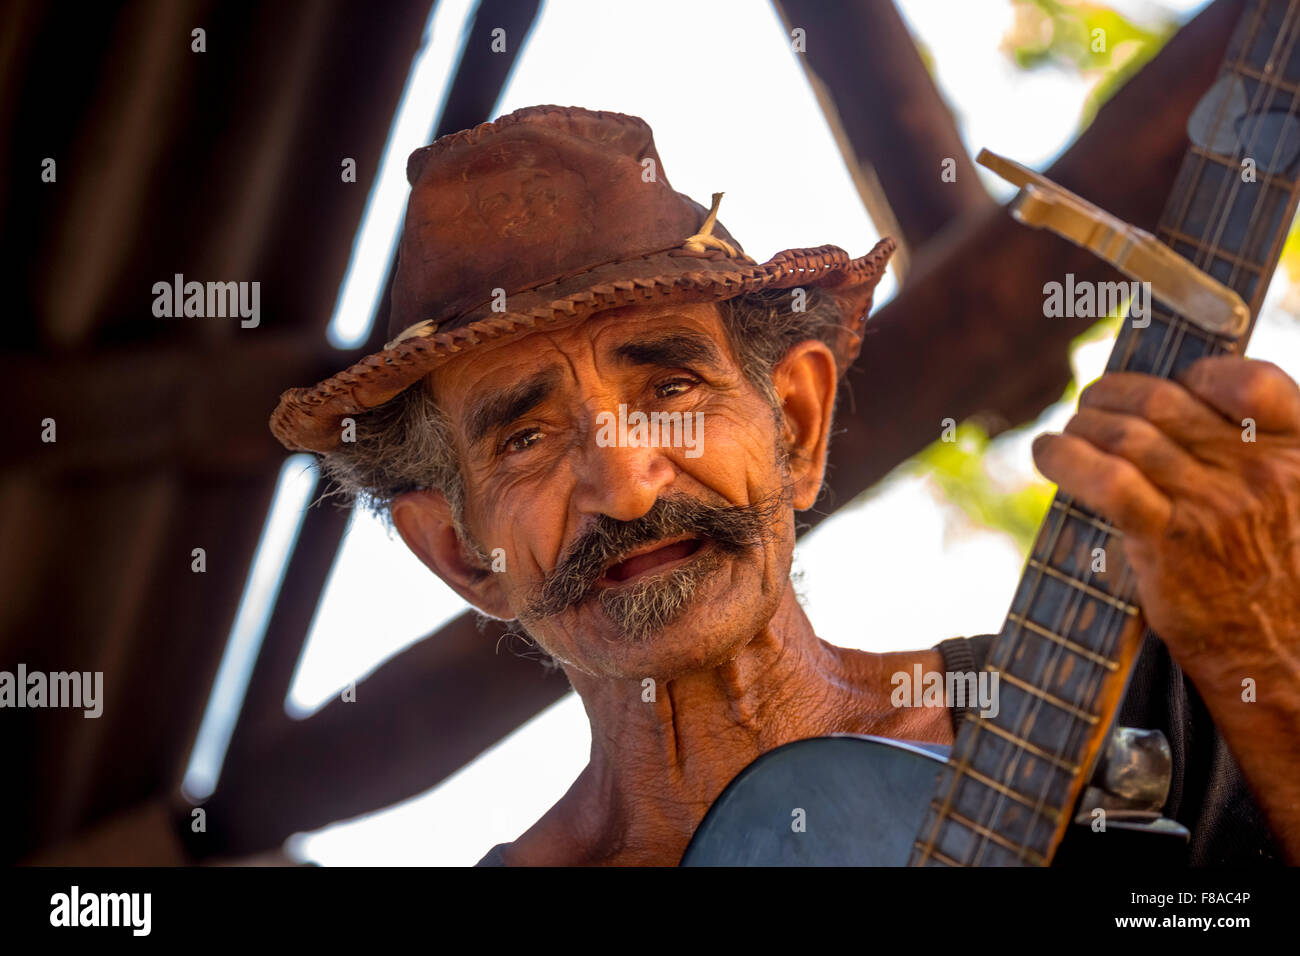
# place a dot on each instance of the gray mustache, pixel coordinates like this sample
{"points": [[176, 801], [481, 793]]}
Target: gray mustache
{"points": [[733, 529]]}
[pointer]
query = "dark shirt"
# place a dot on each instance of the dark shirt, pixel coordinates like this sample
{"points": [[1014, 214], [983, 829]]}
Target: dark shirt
{"points": [[492, 857], [1208, 794]]}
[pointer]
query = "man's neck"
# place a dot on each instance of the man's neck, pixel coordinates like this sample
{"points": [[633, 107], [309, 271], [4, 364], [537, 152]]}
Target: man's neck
{"points": [[662, 753]]}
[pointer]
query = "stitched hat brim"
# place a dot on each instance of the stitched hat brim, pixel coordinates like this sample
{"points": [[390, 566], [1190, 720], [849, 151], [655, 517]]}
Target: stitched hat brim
{"points": [[311, 419]]}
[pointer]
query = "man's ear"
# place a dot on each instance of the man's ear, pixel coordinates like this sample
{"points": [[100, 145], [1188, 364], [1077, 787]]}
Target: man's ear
{"points": [[423, 519], [805, 380]]}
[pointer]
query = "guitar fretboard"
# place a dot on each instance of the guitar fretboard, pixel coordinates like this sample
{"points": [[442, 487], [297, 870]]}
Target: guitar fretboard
{"points": [[1063, 655]]}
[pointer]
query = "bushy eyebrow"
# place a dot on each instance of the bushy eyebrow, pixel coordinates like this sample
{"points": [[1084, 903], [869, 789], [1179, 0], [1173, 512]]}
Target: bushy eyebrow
{"points": [[669, 350], [496, 409], [499, 408]]}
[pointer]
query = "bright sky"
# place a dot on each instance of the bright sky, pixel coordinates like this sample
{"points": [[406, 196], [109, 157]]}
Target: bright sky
{"points": [[900, 570]]}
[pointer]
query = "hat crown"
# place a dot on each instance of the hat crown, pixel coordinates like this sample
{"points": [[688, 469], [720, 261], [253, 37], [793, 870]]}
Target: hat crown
{"points": [[567, 212], [537, 194]]}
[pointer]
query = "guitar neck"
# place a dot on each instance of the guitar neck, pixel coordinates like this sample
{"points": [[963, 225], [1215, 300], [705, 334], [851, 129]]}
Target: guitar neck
{"points": [[1064, 654]]}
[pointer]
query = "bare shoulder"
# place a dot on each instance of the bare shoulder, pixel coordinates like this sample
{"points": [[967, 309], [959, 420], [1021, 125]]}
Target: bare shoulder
{"points": [[560, 837], [879, 675], [878, 670]]}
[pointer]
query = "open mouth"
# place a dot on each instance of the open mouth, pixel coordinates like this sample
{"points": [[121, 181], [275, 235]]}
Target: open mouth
{"points": [[653, 558]]}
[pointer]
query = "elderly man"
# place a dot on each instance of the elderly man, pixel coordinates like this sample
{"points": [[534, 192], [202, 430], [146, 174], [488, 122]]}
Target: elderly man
{"points": [[563, 319]]}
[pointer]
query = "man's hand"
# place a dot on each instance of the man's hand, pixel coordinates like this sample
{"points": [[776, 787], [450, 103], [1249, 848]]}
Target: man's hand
{"points": [[1202, 476]]}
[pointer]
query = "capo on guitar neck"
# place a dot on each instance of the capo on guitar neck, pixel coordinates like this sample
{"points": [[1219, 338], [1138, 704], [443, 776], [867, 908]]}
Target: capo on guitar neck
{"points": [[1198, 297]]}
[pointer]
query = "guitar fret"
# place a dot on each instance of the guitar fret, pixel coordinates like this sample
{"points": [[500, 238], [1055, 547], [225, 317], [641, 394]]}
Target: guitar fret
{"points": [[1088, 589], [1261, 178], [1274, 81], [1066, 505], [1165, 349], [1237, 262], [967, 770], [1235, 233], [1043, 695], [961, 769], [1069, 645], [1185, 327], [1028, 854], [1039, 752], [943, 858]]}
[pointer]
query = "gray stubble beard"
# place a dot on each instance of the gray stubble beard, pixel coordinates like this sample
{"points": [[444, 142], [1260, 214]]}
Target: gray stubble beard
{"points": [[646, 607]]}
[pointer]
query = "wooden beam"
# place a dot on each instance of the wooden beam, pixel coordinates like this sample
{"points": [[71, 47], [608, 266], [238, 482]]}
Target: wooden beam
{"points": [[131, 114], [417, 719], [97, 576], [162, 443], [968, 336], [482, 71], [204, 407], [892, 124]]}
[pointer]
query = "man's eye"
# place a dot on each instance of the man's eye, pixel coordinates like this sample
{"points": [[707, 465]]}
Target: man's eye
{"points": [[674, 386], [520, 440]]}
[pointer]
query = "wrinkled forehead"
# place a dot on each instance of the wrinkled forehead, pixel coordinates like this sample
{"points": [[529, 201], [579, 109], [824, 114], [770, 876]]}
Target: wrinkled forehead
{"points": [[632, 335]]}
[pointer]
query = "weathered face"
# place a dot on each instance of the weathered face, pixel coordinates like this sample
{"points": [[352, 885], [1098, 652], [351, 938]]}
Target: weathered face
{"points": [[627, 550]]}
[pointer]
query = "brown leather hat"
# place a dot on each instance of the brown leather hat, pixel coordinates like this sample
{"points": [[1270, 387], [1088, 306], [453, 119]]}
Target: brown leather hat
{"points": [[545, 216]]}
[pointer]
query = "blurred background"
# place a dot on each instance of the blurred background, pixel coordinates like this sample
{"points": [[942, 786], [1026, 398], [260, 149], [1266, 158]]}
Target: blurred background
{"points": [[306, 691]]}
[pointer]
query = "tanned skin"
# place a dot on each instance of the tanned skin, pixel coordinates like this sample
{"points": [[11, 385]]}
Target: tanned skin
{"points": [[741, 671], [1211, 528]]}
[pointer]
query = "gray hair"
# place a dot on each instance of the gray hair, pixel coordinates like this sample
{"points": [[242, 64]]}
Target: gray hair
{"points": [[407, 443]]}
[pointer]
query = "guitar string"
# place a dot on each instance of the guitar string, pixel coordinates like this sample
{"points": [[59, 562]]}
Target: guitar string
{"points": [[1163, 364], [1065, 517], [1256, 226], [1034, 705], [1208, 253], [1170, 349], [1037, 703], [1171, 343], [1261, 7]]}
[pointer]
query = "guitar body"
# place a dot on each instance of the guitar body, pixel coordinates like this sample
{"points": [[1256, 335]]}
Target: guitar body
{"points": [[863, 801]]}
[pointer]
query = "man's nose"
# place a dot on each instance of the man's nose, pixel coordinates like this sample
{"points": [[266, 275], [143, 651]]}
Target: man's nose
{"points": [[620, 481]]}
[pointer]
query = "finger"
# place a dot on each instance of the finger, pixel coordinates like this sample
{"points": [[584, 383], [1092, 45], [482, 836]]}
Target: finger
{"points": [[1164, 463], [1105, 483], [1169, 406], [1240, 388]]}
